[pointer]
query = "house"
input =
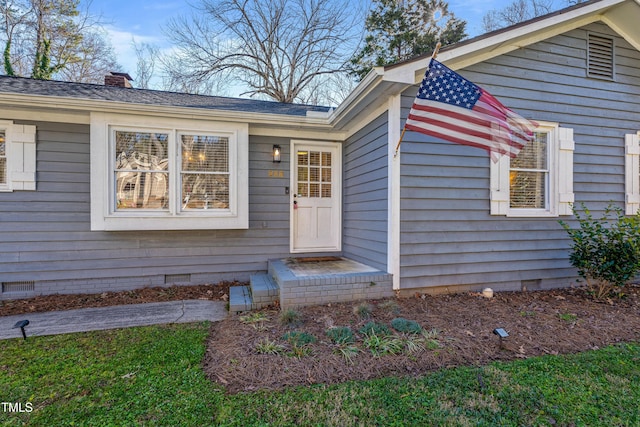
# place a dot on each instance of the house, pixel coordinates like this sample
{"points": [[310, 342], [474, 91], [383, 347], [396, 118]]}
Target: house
{"points": [[111, 188]]}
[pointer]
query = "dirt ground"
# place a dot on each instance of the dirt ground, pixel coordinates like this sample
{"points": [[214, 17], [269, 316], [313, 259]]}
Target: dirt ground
{"points": [[458, 331]]}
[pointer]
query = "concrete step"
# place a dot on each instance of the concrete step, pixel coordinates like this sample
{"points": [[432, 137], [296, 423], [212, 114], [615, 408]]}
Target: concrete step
{"points": [[240, 299], [264, 290]]}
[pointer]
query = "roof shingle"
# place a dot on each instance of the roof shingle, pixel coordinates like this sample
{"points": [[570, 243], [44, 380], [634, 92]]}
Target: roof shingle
{"points": [[21, 85]]}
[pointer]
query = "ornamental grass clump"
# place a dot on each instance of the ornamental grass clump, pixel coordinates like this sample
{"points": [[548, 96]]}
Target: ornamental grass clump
{"points": [[341, 335], [291, 318], [299, 339], [606, 251], [374, 327], [401, 324]]}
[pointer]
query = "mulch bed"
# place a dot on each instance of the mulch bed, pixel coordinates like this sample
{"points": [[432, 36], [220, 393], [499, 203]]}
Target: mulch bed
{"points": [[538, 323], [44, 303], [545, 322]]}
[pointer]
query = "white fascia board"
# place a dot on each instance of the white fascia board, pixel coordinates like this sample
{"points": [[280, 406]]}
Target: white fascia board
{"points": [[369, 83], [60, 104], [302, 133]]}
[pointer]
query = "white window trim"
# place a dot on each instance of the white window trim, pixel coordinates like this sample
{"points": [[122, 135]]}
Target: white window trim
{"points": [[20, 147], [632, 173], [560, 197], [104, 215]]}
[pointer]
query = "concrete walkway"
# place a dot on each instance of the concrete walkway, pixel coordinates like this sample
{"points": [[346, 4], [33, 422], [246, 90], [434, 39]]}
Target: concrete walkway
{"points": [[120, 316]]}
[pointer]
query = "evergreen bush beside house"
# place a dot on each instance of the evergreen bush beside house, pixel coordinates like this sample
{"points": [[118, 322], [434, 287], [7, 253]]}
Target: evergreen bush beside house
{"points": [[606, 250]]}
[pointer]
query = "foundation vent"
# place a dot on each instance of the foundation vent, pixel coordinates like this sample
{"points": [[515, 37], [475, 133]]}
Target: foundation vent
{"points": [[18, 287], [176, 278]]}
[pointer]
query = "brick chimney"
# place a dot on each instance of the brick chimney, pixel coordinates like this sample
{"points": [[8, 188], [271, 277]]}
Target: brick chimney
{"points": [[118, 79]]}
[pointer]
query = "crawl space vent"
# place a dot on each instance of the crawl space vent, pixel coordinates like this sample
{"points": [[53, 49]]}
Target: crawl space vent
{"points": [[176, 278], [600, 57], [16, 287]]}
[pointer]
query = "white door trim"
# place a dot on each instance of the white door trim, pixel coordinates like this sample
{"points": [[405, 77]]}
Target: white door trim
{"points": [[336, 194]]}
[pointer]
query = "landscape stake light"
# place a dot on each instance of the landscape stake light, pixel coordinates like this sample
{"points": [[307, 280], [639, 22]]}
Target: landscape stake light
{"points": [[21, 324], [501, 333]]}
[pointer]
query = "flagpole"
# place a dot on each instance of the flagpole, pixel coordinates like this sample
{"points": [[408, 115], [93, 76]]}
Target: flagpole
{"points": [[404, 128]]}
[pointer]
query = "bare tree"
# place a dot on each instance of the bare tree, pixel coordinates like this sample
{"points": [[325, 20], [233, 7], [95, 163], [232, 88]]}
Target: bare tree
{"points": [[518, 11], [146, 56], [275, 48], [95, 59]]}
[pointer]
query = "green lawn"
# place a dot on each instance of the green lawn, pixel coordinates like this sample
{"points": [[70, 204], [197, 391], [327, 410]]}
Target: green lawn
{"points": [[152, 376]]}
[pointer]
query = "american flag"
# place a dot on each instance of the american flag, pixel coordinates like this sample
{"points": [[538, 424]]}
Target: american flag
{"points": [[452, 108]]}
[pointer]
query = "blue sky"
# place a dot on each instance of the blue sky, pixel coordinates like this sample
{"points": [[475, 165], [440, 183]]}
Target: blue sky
{"points": [[144, 21]]}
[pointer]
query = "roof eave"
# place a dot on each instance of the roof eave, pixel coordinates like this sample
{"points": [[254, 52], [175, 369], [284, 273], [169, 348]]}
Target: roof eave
{"points": [[59, 104]]}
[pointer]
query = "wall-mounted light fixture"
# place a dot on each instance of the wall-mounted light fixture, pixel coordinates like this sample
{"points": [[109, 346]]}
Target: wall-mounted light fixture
{"points": [[276, 154]]}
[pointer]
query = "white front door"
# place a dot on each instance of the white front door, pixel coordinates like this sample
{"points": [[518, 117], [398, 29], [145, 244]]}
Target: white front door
{"points": [[316, 177]]}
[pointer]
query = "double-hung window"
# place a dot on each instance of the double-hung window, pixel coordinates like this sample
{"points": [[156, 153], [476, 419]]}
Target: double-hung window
{"points": [[539, 181], [169, 175], [529, 175]]}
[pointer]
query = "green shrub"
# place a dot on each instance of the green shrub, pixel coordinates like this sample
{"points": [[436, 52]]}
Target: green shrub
{"points": [[299, 339], [341, 335], [606, 251], [408, 326], [374, 327]]}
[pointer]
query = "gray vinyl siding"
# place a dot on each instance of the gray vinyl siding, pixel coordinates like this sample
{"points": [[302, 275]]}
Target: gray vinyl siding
{"points": [[448, 236], [365, 195], [45, 234]]}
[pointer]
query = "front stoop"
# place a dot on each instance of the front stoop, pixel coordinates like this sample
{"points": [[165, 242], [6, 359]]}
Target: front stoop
{"points": [[330, 287], [261, 292], [281, 285], [239, 299], [264, 290]]}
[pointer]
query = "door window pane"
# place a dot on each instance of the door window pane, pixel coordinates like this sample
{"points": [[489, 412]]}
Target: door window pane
{"points": [[326, 159], [314, 168], [314, 158]]}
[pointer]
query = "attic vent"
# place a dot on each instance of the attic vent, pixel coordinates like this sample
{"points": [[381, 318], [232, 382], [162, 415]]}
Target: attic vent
{"points": [[14, 287], [600, 57], [177, 278]]}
